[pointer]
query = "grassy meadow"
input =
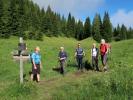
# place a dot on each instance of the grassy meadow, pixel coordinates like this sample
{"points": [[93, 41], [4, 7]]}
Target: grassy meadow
{"points": [[117, 84]]}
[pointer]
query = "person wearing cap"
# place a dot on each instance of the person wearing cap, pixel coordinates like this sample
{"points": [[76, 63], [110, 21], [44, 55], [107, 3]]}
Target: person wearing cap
{"points": [[103, 52], [94, 56], [36, 63], [62, 56], [79, 54]]}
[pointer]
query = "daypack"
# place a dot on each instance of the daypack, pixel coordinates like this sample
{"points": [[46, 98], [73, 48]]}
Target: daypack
{"points": [[31, 57]]}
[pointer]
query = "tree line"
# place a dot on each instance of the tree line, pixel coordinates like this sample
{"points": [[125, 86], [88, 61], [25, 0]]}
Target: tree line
{"points": [[24, 18]]}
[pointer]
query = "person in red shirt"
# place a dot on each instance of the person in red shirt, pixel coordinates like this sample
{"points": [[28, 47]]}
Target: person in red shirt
{"points": [[103, 52]]}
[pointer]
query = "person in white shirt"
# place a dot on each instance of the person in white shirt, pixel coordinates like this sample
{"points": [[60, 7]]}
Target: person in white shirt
{"points": [[94, 55]]}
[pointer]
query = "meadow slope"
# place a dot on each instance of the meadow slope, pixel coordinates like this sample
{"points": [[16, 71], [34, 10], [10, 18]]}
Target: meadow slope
{"points": [[113, 85]]}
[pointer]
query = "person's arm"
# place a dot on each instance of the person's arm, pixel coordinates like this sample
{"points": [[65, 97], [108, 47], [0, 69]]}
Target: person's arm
{"points": [[59, 56], [32, 57], [34, 64], [83, 53], [106, 49], [91, 52], [66, 56], [41, 64], [75, 53], [97, 53]]}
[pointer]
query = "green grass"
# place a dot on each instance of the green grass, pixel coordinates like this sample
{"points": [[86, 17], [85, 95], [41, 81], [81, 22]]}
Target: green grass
{"points": [[113, 85]]}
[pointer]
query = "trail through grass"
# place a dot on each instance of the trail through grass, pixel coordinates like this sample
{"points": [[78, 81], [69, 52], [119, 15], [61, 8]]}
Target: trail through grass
{"points": [[90, 85]]}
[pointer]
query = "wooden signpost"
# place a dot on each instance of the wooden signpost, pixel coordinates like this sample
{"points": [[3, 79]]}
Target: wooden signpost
{"points": [[21, 69], [21, 60]]}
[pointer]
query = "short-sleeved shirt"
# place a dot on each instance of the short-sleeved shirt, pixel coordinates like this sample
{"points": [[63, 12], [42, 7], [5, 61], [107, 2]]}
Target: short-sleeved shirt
{"points": [[79, 52], [94, 52], [103, 49], [62, 55], [36, 57]]}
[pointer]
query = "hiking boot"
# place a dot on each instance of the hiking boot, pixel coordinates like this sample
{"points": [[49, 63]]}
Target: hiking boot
{"points": [[105, 68]]}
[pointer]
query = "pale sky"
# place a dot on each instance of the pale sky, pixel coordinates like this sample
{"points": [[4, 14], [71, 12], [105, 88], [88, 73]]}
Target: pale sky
{"points": [[120, 11]]}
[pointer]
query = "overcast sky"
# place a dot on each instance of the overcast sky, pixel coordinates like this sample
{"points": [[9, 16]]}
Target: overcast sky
{"points": [[121, 11]]}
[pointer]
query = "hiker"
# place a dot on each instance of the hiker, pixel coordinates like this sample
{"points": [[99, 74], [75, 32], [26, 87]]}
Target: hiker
{"points": [[79, 54], [108, 47], [62, 56], [21, 46], [36, 64], [94, 55], [103, 52], [109, 51]]}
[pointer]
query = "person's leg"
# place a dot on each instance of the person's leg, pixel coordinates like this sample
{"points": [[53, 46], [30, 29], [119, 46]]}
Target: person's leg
{"points": [[31, 76], [19, 52], [93, 64], [105, 62], [32, 73], [105, 59], [38, 72], [38, 77], [96, 64], [78, 61], [102, 60], [61, 67], [81, 65]]}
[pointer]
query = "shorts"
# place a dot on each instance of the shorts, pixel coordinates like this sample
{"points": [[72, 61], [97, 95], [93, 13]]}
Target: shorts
{"points": [[36, 71]]}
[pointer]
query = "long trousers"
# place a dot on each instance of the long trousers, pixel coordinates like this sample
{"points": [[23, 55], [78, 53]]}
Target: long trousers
{"points": [[80, 61], [95, 63], [62, 66]]}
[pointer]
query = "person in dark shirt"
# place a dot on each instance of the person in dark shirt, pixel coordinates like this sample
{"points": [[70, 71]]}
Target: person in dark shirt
{"points": [[21, 46], [62, 59], [79, 54]]}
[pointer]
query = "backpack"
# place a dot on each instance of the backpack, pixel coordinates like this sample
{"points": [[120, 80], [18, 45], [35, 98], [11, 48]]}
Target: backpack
{"points": [[103, 48], [31, 57]]}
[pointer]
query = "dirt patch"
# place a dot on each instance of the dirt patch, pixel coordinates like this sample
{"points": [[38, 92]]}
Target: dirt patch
{"points": [[78, 73]]}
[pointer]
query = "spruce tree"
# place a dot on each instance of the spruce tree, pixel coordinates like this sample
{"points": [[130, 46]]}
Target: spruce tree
{"points": [[14, 18], [130, 33], [116, 33], [107, 28], [69, 25], [79, 30], [1, 15], [87, 28], [96, 28], [6, 20], [123, 35]]}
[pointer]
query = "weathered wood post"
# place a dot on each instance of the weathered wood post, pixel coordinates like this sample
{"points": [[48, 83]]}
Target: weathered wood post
{"points": [[21, 69], [21, 57]]}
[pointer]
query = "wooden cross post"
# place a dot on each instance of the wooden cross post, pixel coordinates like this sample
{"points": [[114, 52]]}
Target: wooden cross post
{"points": [[21, 58], [21, 69]]}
